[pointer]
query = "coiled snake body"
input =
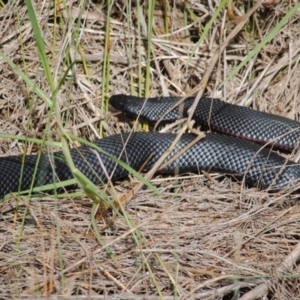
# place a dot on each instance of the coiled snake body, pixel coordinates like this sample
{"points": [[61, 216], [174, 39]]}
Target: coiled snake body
{"points": [[215, 152]]}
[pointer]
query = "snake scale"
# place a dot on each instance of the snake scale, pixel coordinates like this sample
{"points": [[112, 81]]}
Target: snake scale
{"points": [[221, 152]]}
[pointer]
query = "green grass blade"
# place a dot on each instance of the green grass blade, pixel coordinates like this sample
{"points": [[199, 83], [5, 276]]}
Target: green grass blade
{"points": [[265, 41], [40, 44]]}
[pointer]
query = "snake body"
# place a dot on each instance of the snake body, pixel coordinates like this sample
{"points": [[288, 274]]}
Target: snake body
{"points": [[216, 152], [218, 115]]}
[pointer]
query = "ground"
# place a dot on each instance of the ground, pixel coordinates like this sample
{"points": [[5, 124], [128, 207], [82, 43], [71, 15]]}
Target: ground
{"points": [[204, 236]]}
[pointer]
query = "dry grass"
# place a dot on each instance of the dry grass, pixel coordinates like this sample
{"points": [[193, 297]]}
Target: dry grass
{"points": [[203, 237]]}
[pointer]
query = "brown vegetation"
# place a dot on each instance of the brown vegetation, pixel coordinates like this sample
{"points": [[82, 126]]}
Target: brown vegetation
{"points": [[204, 237]]}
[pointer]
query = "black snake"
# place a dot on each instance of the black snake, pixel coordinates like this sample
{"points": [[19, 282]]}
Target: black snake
{"points": [[259, 166]]}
